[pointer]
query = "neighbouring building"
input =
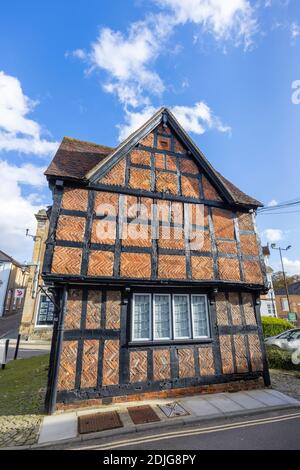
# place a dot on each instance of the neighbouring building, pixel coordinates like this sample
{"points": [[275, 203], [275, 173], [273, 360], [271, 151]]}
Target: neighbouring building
{"points": [[37, 317], [282, 301], [13, 282], [268, 301], [151, 298]]}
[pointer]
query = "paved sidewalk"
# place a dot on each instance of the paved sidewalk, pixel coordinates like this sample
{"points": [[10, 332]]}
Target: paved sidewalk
{"points": [[63, 427], [19, 430]]}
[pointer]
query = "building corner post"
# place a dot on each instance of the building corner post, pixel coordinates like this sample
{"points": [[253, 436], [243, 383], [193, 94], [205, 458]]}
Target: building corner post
{"points": [[266, 374], [61, 304]]}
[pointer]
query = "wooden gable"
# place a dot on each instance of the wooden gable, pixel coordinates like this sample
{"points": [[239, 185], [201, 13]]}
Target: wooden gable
{"points": [[161, 164], [138, 218]]}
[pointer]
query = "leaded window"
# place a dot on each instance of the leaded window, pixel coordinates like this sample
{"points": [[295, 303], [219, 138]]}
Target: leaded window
{"points": [[165, 316]]}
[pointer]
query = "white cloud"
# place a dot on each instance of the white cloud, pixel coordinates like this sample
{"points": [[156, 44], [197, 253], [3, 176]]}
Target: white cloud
{"points": [[294, 30], [16, 211], [272, 203], [291, 266], [128, 58], [17, 131], [273, 235], [225, 20], [134, 120], [196, 119]]}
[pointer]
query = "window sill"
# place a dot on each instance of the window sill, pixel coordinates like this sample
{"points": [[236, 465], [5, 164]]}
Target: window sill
{"points": [[169, 342]]}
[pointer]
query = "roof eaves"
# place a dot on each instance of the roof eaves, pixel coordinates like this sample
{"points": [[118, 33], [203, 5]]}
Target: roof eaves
{"points": [[93, 171]]}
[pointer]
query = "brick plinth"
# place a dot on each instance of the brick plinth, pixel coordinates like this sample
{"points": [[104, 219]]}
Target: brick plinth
{"points": [[236, 386]]}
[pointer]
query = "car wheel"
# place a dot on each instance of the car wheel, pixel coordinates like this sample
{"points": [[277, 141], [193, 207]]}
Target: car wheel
{"points": [[296, 357]]}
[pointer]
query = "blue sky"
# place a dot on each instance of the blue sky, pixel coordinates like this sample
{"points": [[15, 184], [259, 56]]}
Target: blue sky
{"points": [[95, 70]]}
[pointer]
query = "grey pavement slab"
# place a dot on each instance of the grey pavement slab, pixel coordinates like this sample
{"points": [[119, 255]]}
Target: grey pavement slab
{"points": [[266, 397], [286, 398], [246, 401], [224, 403], [200, 407], [58, 428]]}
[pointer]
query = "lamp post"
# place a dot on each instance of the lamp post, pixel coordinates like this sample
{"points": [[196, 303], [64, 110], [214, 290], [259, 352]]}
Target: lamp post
{"points": [[273, 245]]}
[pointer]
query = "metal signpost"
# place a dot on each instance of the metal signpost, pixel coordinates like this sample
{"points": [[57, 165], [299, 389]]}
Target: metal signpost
{"points": [[4, 343]]}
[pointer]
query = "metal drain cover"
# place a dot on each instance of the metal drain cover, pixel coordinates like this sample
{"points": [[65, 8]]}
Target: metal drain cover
{"points": [[98, 422], [142, 414], [172, 410]]}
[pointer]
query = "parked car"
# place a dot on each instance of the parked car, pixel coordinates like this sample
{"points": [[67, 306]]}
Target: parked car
{"points": [[289, 340]]}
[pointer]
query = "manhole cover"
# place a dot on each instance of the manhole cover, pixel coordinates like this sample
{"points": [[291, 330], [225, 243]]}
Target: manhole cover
{"points": [[171, 410], [142, 414], [98, 422]]}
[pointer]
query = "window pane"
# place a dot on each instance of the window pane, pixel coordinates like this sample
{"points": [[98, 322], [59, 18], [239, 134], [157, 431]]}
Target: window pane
{"points": [[181, 316], [141, 320], [161, 316], [200, 325], [285, 305]]}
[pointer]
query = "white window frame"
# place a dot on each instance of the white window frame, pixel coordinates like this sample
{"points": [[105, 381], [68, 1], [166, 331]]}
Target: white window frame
{"points": [[172, 337], [206, 314], [170, 316], [189, 316], [150, 319]]}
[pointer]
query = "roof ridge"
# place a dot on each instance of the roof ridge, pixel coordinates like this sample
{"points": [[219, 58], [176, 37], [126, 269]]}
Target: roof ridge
{"points": [[86, 142], [131, 136]]}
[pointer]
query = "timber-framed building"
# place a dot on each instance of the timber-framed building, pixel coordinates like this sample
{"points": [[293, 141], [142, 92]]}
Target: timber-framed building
{"points": [[142, 315]]}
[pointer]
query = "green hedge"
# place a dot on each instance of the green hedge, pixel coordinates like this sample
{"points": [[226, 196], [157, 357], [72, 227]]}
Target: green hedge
{"points": [[280, 359], [274, 326]]}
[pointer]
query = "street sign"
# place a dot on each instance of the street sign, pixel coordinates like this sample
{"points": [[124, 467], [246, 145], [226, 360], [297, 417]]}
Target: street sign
{"points": [[46, 311], [292, 316], [19, 293]]}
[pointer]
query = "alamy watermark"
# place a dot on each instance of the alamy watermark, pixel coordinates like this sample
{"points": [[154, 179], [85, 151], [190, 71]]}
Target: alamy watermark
{"points": [[296, 94], [183, 224]]}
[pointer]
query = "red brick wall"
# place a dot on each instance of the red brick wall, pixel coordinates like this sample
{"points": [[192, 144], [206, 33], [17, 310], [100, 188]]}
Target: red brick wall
{"points": [[160, 165], [237, 252]]}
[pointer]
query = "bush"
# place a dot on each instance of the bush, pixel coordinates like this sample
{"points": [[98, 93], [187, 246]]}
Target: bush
{"points": [[280, 359], [274, 326]]}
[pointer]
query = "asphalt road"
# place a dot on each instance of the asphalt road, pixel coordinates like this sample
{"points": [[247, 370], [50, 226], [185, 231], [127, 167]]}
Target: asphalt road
{"points": [[9, 325], [26, 352], [9, 328], [277, 430]]}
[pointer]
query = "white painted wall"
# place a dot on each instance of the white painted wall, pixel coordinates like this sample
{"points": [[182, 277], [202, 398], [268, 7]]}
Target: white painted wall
{"points": [[5, 268], [268, 308]]}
